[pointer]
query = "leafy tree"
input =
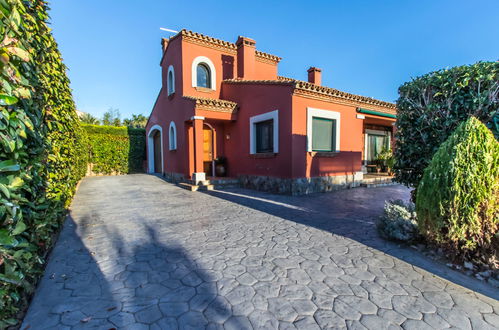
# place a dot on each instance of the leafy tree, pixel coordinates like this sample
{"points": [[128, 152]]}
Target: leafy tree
{"points": [[112, 117], [137, 121], [87, 118], [431, 107], [457, 200]]}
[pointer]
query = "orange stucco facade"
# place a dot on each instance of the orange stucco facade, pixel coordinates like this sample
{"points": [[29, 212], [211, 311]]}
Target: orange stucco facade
{"points": [[217, 118]]}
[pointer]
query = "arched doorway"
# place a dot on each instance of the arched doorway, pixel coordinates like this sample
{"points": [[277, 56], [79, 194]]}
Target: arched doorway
{"points": [[158, 168], [155, 150]]}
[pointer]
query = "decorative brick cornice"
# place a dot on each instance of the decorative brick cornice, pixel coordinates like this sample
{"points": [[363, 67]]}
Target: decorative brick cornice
{"points": [[218, 44], [307, 89], [217, 105], [312, 91]]}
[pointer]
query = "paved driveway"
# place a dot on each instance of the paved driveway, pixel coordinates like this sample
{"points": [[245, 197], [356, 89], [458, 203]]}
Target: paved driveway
{"points": [[140, 253]]}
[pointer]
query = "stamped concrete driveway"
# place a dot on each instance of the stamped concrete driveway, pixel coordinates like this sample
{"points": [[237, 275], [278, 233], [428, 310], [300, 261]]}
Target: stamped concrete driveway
{"points": [[140, 253]]}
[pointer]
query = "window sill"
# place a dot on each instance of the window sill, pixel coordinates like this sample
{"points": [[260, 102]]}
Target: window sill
{"points": [[324, 154], [171, 96], [204, 89], [263, 155]]}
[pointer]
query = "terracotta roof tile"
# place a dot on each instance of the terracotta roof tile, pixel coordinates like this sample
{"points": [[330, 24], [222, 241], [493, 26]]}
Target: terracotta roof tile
{"points": [[213, 104], [228, 46], [305, 88]]}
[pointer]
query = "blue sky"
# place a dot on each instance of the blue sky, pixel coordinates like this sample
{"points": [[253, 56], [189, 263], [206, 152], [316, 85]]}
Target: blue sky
{"points": [[112, 47]]}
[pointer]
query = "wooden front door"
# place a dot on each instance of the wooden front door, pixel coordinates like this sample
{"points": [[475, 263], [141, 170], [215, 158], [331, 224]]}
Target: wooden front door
{"points": [[207, 150], [157, 152]]}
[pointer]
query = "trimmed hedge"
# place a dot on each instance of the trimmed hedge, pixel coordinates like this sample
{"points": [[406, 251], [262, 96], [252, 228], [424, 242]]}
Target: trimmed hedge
{"points": [[42, 149], [431, 107], [116, 150], [457, 200]]}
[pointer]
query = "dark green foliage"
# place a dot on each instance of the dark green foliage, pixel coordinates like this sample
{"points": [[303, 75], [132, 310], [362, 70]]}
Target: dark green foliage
{"points": [[432, 106], [398, 222], [116, 150], [457, 200], [42, 149]]}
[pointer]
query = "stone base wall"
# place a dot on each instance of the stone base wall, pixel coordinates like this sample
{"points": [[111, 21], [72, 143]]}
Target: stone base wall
{"points": [[301, 186], [174, 177]]}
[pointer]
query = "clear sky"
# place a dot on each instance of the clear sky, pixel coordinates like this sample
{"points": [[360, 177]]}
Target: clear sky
{"points": [[112, 47]]}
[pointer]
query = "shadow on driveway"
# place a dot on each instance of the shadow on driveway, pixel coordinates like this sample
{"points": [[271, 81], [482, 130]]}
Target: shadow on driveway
{"points": [[353, 214]]}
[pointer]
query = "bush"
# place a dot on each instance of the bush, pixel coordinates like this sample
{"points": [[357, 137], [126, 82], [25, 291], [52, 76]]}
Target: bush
{"points": [[398, 221], [42, 149], [116, 150], [431, 107], [457, 200]]}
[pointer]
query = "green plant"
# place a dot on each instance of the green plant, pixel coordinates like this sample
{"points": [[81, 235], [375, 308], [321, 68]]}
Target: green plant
{"points": [[431, 107], [458, 198], [116, 150], [398, 221], [42, 149]]}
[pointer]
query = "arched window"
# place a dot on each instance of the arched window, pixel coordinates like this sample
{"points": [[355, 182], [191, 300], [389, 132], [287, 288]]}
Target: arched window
{"points": [[203, 76], [171, 80], [172, 136], [203, 73]]}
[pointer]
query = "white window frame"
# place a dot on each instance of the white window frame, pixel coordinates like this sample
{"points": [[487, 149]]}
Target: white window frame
{"points": [[170, 86], [150, 148], [172, 142], [213, 74], [326, 114], [274, 115]]}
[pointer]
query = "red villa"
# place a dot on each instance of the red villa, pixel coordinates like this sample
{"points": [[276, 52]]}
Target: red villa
{"points": [[220, 99]]}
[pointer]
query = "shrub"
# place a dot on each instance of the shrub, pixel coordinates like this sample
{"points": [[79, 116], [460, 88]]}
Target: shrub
{"points": [[116, 150], [42, 149], [398, 221], [457, 200], [431, 107]]}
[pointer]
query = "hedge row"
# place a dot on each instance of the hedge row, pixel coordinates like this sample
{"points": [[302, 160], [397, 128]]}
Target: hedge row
{"points": [[431, 107], [116, 150], [42, 149]]}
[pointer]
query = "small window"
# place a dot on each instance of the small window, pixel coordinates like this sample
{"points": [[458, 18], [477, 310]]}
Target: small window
{"points": [[264, 136], [203, 76], [323, 134], [172, 136], [170, 83]]}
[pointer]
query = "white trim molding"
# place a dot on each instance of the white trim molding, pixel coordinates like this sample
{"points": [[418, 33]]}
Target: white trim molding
{"points": [[198, 117], [150, 148], [328, 114], [274, 115], [213, 73], [172, 137], [170, 85]]}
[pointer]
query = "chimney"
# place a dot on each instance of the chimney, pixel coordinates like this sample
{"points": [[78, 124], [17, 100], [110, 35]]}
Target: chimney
{"points": [[164, 44], [314, 75], [245, 57]]}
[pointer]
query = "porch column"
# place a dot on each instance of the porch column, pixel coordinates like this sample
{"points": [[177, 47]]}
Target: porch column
{"points": [[198, 175]]}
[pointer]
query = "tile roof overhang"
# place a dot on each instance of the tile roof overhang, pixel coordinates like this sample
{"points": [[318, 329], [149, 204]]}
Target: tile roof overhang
{"points": [[309, 90], [214, 108], [229, 47]]}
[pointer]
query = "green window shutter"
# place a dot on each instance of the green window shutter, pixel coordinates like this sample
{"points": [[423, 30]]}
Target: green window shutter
{"points": [[323, 134]]}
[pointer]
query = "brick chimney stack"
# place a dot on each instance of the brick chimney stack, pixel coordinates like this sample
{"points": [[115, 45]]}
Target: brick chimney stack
{"points": [[245, 57], [314, 75]]}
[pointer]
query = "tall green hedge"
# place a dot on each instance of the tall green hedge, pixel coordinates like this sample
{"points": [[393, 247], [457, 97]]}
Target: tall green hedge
{"points": [[432, 106], [42, 149], [457, 200], [116, 150]]}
